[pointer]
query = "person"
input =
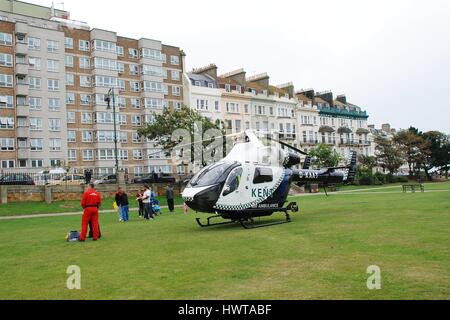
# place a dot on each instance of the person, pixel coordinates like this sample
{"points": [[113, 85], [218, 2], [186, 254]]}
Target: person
{"points": [[169, 196], [91, 232], [88, 176], [139, 196], [90, 202], [147, 200], [122, 203], [185, 208], [155, 176]]}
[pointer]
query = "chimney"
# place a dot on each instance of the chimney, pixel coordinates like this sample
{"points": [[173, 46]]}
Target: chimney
{"points": [[342, 98], [327, 96], [288, 87], [210, 70], [237, 75], [260, 79]]}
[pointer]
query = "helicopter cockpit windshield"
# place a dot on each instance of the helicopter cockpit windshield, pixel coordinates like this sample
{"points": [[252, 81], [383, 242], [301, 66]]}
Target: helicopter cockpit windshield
{"points": [[212, 174]]}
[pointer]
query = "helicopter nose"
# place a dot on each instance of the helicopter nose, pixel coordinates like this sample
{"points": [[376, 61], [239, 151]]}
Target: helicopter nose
{"points": [[204, 200]]}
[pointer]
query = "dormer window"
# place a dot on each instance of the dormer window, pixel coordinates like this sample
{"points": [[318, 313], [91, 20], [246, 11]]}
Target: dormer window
{"points": [[198, 84], [210, 85], [238, 88], [286, 95], [227, 88]]}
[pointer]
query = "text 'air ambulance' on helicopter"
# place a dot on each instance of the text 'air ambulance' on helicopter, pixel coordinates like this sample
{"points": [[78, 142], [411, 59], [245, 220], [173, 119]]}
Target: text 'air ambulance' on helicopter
{"points": [[249, 183]]}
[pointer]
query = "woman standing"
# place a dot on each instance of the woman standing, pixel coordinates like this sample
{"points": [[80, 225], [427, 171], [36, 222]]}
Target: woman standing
{"points": [[122, 203]]}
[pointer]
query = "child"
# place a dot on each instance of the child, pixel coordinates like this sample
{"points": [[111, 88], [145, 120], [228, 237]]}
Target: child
{"points": [[156, 207], [139, 196]]}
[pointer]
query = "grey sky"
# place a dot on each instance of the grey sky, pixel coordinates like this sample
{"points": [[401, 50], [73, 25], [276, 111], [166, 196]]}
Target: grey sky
{"points": [[390, 57]]}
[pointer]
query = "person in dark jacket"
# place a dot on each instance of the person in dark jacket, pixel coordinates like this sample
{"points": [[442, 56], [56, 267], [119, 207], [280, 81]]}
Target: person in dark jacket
{"points": [[169, 196], [123, 204], [88, 176], [139, 196]]}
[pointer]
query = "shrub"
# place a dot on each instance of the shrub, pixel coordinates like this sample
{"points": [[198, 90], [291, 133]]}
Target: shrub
{"points": [[379, 178]]}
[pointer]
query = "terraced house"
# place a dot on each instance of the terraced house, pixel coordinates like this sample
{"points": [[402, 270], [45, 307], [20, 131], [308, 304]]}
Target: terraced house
{"points": [[303, 118], [54, 76]]}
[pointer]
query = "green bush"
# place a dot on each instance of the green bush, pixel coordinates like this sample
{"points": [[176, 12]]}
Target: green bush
{"points": [[379, 178]]}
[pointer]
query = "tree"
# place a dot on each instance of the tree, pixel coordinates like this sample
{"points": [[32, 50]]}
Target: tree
{"points": [[439, 145], [164, 125], [367, 162], [324, 156], [388, 156], [415, 148]]}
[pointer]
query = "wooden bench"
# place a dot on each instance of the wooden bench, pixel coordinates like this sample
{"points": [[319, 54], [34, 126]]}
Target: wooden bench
{"points": [[413, 187]]}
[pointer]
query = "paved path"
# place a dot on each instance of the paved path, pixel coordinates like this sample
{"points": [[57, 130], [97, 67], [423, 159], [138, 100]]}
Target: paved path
{"points": [[66, 214]]}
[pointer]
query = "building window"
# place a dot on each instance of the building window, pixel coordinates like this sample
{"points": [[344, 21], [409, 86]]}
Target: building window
{"points": [[70, 79], [87, 136], [86, 118], [70, 98], [53, 85], [54, 104], [68, 43], [85, 81], [72, 155], [35, 103], [54, 125], [52, 46], [69, 61], [85, 99], [151, 54], [6, 80], [105, 46], [34, 43], [119, 51], [53, 65], [88, 155], [133, 53], [35, 124], [6, 102], [37, 144], [84, 45], [35, 63], [176, 91], [6, 39], [174, 60], [6, 144], [6, 60], [70, 117], [71, 136], [175, 75], [37, 163], [7, 164], [55, 144], [85, 63], [134, 86]]}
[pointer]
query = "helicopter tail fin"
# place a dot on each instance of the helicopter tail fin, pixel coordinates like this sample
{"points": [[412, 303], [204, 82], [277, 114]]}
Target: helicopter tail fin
{"points": [[307, 163], [352, 167]]}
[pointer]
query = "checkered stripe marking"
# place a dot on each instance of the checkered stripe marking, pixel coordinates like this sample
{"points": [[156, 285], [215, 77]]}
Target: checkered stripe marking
{"points": [[253, 203]]}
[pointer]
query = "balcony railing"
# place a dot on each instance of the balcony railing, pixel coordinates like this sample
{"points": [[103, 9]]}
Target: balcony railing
{"points": [[343, 112]]}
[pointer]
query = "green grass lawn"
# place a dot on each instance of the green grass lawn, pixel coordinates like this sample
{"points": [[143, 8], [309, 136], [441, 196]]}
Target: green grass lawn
{"points": [[323, 254], [27, 208]]}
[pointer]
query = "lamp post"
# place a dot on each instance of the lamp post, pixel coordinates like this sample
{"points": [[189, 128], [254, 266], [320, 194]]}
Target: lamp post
{"points": [[111, 97]]}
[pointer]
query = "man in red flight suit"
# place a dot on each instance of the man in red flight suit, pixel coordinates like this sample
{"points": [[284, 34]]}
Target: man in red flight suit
{"points": [[91, 202]]}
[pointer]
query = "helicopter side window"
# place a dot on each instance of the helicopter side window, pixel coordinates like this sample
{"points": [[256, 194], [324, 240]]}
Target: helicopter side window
{"points": [[263, 175], [233, 182]]}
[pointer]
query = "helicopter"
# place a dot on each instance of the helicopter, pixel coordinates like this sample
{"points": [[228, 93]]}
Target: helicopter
{"points": [[254, 180]]}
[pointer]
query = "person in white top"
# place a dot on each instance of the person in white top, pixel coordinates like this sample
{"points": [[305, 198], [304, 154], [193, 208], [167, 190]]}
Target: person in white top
{"points": [[147, 200]]}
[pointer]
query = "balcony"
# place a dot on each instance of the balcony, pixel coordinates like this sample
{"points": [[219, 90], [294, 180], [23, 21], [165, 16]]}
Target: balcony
{"points": [[21, 28], [310, 141], [21, 48], [21, 69], [343, 113], [22, 111], [23, 153], [287, 136], [22, 89], [23, 132]]}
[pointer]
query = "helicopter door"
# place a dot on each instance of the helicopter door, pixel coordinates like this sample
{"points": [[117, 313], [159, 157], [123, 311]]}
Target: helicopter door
{"points": [[233, 182]]}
